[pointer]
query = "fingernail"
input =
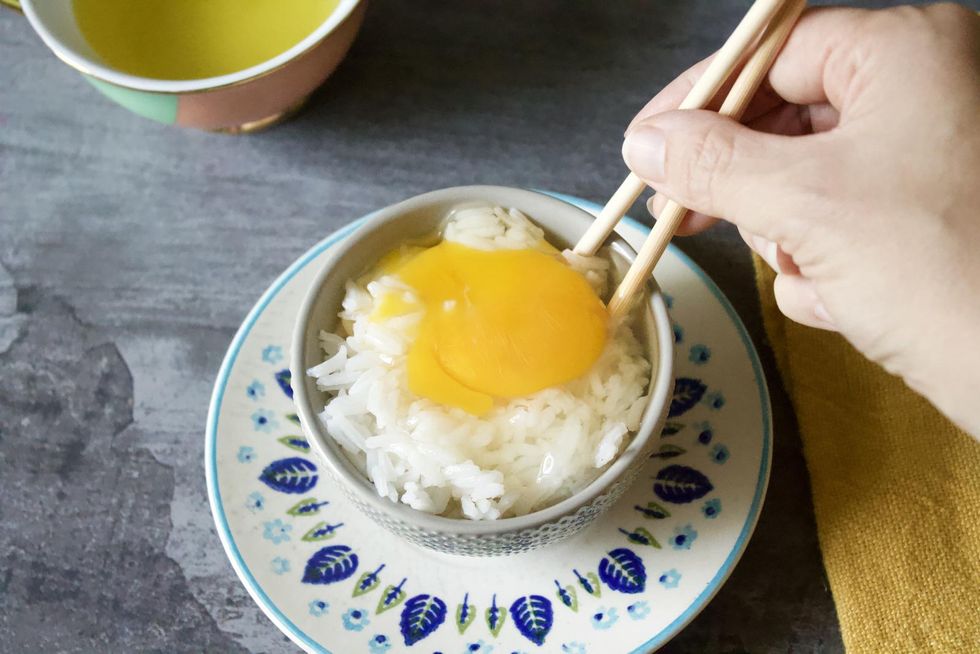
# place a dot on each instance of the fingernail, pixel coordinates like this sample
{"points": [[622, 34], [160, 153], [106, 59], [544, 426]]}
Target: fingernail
{"points": [[820, 311], [650, 206], [644, 152]]}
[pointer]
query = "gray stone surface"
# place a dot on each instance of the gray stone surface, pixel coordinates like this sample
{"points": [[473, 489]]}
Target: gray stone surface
{"points": [[130, 252]]}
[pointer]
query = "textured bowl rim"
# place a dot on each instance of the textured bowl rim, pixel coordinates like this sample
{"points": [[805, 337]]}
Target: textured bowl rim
{"points": [[353, 480]]}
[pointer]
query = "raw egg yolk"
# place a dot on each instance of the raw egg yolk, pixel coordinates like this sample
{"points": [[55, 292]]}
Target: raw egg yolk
{"points": [[496, 324]]}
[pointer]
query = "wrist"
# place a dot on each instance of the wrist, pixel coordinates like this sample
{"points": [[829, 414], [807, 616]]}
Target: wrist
{"points": [[947, 372]]}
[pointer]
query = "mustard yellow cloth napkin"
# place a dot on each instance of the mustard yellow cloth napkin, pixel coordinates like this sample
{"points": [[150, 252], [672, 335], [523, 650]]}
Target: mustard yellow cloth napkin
{"points": [[896, 492]]}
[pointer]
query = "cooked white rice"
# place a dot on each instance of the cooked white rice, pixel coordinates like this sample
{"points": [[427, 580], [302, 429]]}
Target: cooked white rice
{"points": [[524, 455]]}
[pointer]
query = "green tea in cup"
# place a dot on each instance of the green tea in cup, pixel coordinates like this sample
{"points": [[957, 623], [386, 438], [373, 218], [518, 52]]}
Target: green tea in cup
{"points": [[195, 39]]}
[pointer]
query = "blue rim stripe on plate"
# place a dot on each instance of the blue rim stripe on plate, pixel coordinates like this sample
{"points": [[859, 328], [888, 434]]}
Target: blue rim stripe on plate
{"points": [[214, 410]]}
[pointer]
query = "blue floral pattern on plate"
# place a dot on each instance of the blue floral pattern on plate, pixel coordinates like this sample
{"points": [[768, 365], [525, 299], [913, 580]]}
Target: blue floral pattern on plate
{"points": [[683, 537], [276, 531], [264, 420], [670, 578], [604, 618], [280, 566], [255, 390], [379, 644], [246, 454], [711, 509], [380, 595], [638, 610], [719, 454], [355, 619], [479, 647], [699, 354], [272, 354]]}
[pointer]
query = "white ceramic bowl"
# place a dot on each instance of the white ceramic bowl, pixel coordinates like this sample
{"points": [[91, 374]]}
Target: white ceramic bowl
{"points": [[419, 217]]}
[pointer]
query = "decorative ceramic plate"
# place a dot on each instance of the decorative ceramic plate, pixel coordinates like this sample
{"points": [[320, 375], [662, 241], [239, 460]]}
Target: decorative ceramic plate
{"points": [[335, 582]]}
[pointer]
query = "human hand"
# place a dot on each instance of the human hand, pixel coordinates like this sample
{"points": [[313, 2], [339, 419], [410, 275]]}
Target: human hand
{"points": [[857, 178]]}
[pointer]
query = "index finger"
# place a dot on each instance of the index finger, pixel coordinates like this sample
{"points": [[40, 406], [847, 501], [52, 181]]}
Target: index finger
{"points": [[800, 72]]}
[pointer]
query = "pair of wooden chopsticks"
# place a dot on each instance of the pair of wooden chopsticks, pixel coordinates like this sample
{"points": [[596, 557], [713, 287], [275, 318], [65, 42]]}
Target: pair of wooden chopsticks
{"points": [[773, 20]]}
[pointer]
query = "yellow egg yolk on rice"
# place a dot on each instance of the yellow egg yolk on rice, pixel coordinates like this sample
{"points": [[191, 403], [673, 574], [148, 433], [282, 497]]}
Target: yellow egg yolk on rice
{"points": [[496, 323]]}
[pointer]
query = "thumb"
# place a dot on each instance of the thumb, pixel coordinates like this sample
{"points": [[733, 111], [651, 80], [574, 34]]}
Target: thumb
{"points": [[713, 165]]}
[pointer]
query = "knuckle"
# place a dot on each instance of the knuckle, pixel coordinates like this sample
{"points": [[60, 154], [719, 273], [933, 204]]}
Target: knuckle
{"points": [[910, 26], [804, 190], [952, 12], [711, 161]]}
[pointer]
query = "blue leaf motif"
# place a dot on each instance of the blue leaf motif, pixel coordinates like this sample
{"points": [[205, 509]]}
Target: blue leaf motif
{"points": [[308, 506], [533, 616], [292, 475], [283, 377], [564, 595], [640, 536], [495, 617], [623, 571], [653, 510], [322, 531], [465, 614], [681, 484], [391, 597], [297, 443], [687, 393], [589, 582], [329, 565], [668, 451], [368, 582], [421, 616]]}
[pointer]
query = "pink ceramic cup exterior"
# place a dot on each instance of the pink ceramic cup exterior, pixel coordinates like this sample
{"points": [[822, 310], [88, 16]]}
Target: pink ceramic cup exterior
{"points": [[245, 101], [273, 94]]}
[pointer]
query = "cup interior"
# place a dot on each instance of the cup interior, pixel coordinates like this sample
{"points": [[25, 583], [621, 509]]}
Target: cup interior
{"points": [[54, 21], [58, 18], [419, 218]]}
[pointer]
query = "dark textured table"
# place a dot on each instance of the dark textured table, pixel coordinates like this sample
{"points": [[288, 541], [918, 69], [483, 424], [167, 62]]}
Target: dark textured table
{"points": [[130, 252]]}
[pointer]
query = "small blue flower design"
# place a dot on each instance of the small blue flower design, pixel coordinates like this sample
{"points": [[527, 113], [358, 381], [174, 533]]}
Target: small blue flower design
{"points": [[379, 644], [318, 607], [719, 454], [255, 502], [264, 420], [573, 647], [255, 390], [683, 537], [604, 618], [355, 619], [280, 565], [705, 432], [711, 509], [277, 531], [479, 647], [669, 300], [272, 354], [678, 334], [638, 610], [699, 354], [670, 578], [246, 454], [715, 400]]}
